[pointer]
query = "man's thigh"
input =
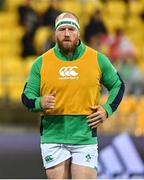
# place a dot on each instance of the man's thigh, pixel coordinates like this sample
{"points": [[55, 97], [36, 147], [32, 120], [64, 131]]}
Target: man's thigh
{"points": [[82, 172], [84, 161], [60, 171], [54, 154], [56, 160]]}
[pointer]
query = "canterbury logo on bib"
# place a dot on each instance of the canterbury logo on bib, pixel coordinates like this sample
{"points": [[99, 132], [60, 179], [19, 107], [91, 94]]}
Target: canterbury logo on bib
{"points": [[68, 72]]}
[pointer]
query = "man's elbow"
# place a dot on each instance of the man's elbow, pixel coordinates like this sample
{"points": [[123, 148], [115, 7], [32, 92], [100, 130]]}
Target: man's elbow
{"points": [[122, 86], [29, 103]]}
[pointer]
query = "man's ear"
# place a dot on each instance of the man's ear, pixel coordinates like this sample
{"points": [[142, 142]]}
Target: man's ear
{"points": [[79, 35]]}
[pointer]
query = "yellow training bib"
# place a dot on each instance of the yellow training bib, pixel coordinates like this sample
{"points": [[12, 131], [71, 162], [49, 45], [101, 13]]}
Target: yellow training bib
{"points": [[77, 82]]}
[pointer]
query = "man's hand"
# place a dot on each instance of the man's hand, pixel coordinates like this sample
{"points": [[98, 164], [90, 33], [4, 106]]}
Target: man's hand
{"points": [[97, 117], [47, 102]]}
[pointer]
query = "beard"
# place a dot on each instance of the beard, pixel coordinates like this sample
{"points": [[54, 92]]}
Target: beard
{"points": [[67, 46]]}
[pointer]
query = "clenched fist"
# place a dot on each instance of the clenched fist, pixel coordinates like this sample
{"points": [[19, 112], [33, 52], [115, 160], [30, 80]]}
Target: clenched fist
{"points": [[48, 101]]}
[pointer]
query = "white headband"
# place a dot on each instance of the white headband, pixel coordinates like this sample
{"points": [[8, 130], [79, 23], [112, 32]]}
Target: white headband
{"points": [[67, 21]]}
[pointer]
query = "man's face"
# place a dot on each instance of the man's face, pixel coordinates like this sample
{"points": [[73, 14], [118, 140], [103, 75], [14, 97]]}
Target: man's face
{"points": [[67, 38]]}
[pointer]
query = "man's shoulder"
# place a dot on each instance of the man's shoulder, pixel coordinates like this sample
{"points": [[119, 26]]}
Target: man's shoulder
{"points": [[48, 52], [98, 53], [37, 62], [91, 49], [100, 56]]}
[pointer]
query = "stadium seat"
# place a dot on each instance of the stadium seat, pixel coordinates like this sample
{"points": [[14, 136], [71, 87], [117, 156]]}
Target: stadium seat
{"points": [[113, 23], [116, 8], [127, 105], [15, 87], [41, 37], [12, 67], [27, 63], [8, 19], [40, 6], [1, 84], [12, 5], [139, 130], [1, 92], [141, 64], [73, 6], [136, 7], [134, 22]]}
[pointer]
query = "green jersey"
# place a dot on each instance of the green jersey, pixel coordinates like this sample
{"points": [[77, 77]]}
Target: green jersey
{"points": [[71, 129]]}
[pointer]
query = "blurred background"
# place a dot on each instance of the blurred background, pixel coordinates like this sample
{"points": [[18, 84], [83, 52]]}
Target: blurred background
{"points": [[114, 27]]}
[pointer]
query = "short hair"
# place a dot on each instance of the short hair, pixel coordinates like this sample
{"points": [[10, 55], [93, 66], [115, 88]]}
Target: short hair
{"points": [[68, 13]]}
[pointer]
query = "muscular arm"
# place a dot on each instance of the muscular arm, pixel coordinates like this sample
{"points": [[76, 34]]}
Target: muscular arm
{"points": [[31, 93], [112, 81]]}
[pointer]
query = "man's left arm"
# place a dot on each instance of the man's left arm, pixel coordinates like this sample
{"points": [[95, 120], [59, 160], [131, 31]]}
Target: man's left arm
{"points": [[113, 82], [115, 86]]}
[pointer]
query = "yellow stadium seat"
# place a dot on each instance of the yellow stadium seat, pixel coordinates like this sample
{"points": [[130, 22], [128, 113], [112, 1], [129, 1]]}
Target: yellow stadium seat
{"points": [[9, 50], [127, 105], [8, 19], [12, 5], [72, 6], [12, 67], [116, 8], [40, 6], [140, 100], [113, 23], [136, 7], [1, 82], [141, 64], [134, 22], [89, 7], [15, 87], [27, 63], [41, 37], [139, 130], [11, 34], [1, 92]]}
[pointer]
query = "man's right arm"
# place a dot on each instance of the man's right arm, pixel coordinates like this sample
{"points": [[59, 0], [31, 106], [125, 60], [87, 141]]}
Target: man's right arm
{"points": [[31, 93]]}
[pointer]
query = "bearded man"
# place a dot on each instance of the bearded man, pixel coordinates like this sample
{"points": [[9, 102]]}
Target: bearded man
{"points": [[64, 85]]}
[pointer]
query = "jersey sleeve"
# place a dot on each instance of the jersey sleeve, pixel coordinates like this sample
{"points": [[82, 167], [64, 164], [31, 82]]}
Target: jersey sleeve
{"points": [[31, 93], [113, 82]]}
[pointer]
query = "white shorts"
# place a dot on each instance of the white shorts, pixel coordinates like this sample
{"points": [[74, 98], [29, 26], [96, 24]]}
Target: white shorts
{"points": [[84, 155]]}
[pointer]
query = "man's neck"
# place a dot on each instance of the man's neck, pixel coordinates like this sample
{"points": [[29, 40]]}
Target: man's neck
{"points": [[67, 53], [70, 56]]}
